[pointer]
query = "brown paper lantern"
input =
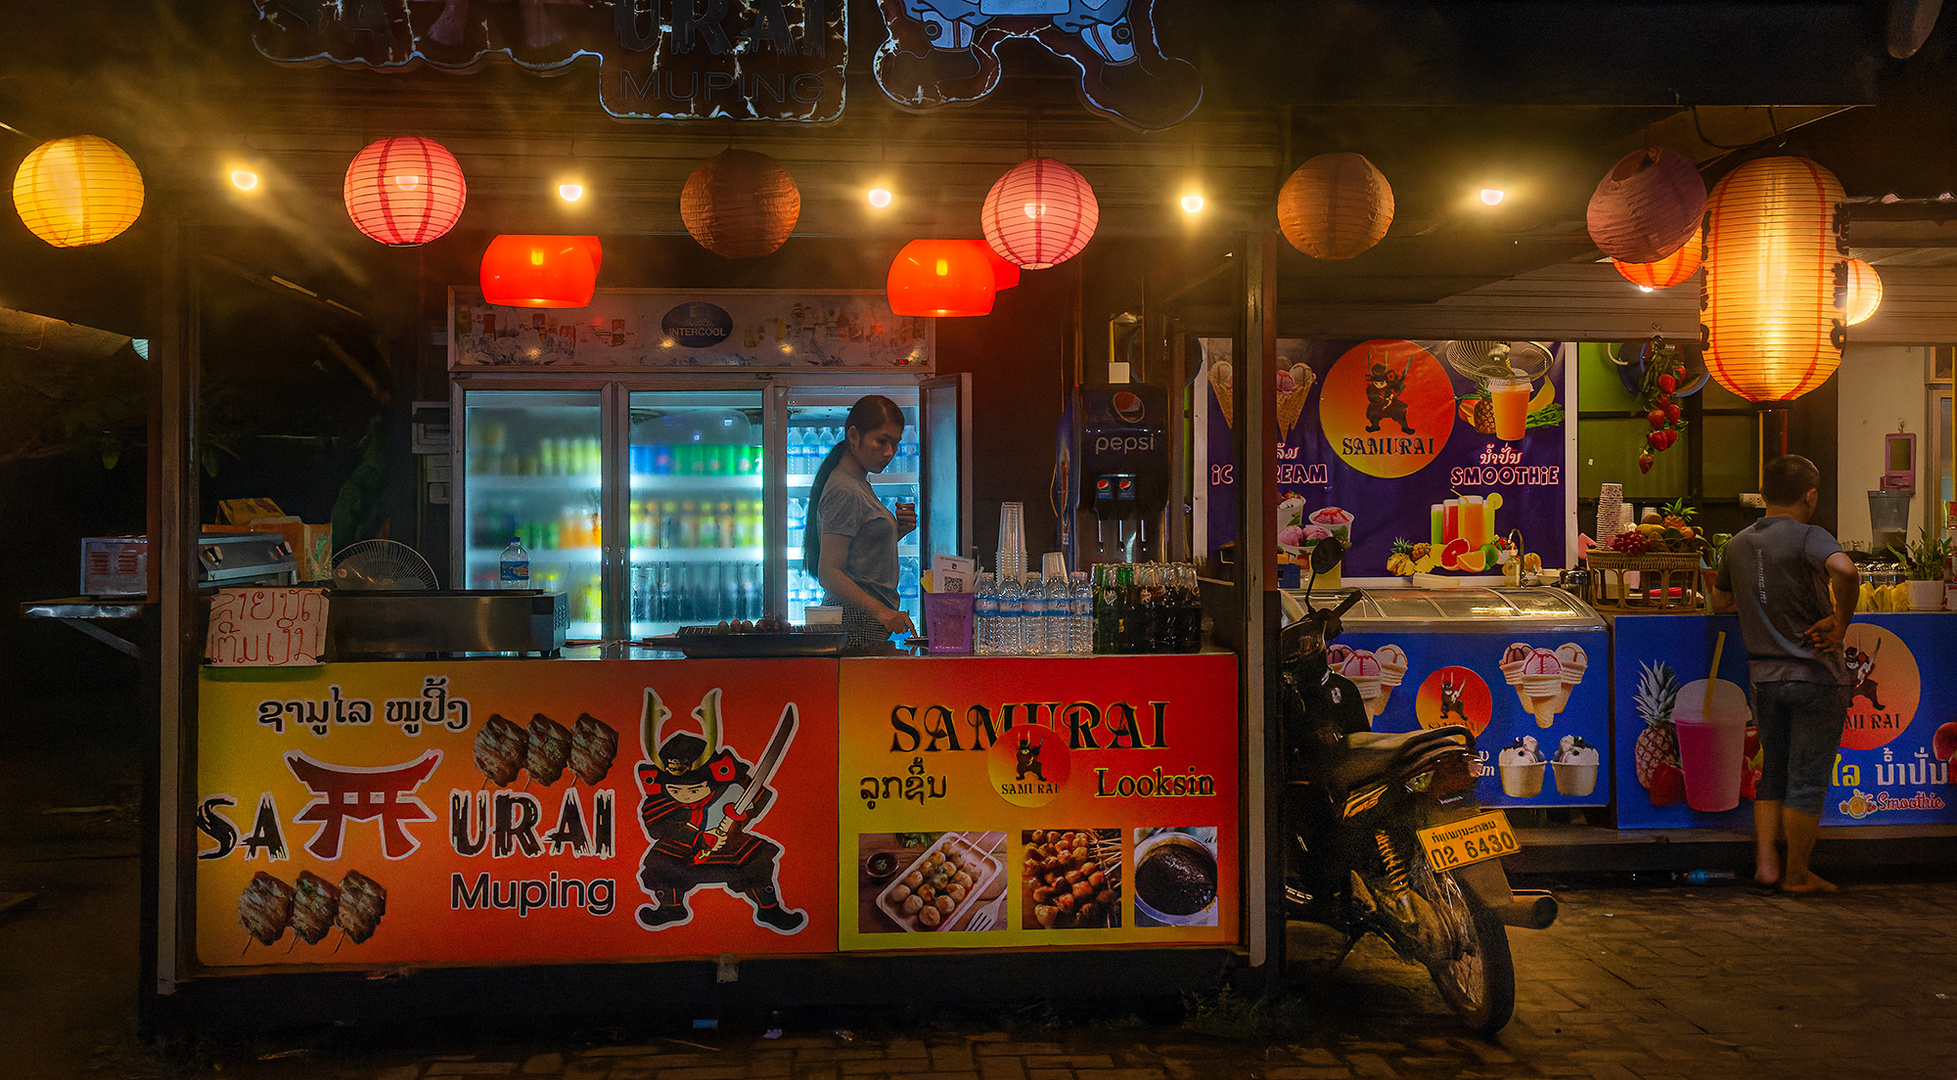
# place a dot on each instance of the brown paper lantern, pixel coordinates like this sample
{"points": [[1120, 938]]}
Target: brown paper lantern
{"points": [[1647, 206], [740, 204], [1668, 271], [1335, 206], [1773, 328]]}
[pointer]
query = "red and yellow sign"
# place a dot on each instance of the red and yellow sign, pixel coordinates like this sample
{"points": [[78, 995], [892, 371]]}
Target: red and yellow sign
{"points": [[996, 803], [495, 812]]}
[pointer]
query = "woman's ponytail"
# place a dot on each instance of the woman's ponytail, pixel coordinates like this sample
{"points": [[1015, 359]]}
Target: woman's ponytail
{"points": [[870, 412]]}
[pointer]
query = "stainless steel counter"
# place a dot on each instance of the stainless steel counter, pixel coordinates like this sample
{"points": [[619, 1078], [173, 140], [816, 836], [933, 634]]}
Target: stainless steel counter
{"points": [[1465, 610]]}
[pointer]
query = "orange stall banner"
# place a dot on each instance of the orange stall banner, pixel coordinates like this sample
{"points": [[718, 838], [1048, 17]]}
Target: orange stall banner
{"points": [[1034, 803], [512, 812]]}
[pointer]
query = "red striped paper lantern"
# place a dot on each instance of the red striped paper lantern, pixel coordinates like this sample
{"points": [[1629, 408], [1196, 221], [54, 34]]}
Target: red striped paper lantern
{"points": [[1005, 272], [541, 271], [1040, 214], [78, 191], [404, 191], [942, 278], [1335, 206], [1647, 206], [1863, 293], [1670, 270], [740, 204], [1773, 329]]}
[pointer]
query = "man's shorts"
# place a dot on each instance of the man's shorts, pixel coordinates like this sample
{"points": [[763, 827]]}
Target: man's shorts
{"points": [[1800, 729]]}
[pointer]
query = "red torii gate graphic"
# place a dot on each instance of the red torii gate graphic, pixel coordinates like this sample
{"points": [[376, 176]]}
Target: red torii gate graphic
{"points": [[355, 793]]}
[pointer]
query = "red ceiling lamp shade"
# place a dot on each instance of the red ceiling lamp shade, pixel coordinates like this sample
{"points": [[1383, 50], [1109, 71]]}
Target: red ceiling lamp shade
{"points": [[1647, 206], [404, 191], [1773, 330], [1040, 214], [78, 191], [942, 278], [1335, 206], [740, 204], [1670, 270], [1863, 293], [1005, 272], [541, 271]]}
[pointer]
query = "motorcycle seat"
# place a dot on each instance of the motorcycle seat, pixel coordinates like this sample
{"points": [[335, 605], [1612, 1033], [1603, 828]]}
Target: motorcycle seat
{"points": [[1367, 755]]}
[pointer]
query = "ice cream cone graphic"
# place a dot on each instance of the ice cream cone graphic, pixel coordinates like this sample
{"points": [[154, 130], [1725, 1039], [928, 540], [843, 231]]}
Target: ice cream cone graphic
{"points": [[1574, 661], [1362, 668], [1221, 380], [1292, 388]]}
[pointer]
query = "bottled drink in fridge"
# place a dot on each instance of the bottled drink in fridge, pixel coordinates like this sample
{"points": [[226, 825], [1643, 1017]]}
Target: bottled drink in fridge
{"points": [[1080, 615], [514, 569], [1012, 607], [985, 610]]}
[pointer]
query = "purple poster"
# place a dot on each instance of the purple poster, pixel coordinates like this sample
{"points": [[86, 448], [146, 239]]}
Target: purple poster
{"points": [[1443, 457]]}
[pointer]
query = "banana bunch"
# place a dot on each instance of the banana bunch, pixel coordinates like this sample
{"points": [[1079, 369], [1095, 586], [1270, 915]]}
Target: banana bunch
{"points": [[1882, 598]]}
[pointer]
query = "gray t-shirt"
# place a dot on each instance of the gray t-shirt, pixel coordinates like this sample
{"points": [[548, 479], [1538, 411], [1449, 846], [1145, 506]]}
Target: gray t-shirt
{"points": [[849, 508], [1776, 570]]}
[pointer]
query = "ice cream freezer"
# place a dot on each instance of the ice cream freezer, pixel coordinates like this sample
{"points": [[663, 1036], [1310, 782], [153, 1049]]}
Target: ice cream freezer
{"points": [[1513, 665]]}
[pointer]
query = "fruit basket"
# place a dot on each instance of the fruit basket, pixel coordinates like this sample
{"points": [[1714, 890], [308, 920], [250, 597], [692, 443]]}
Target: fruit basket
{"points": [[1659, 575]]}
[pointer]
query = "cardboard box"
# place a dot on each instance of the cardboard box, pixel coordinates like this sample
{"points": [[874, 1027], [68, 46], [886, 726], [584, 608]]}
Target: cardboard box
{"points": [[312, 545], [246, 511]]}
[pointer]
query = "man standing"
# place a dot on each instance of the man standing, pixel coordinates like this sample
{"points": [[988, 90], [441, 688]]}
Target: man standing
{"points": [[1778, 574]]}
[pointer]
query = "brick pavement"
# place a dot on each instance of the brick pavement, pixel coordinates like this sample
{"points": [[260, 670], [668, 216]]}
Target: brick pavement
{"points": [[1631, 984]]}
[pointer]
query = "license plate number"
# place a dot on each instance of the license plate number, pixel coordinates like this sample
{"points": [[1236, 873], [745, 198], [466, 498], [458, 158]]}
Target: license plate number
{"points": [[1471, 840]]}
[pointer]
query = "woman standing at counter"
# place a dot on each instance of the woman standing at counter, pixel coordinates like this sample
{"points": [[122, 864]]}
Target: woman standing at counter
{"points": [[852, 537]]}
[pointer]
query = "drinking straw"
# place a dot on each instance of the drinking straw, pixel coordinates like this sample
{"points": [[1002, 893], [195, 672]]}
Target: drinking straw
{"points": [[1712, 677]]}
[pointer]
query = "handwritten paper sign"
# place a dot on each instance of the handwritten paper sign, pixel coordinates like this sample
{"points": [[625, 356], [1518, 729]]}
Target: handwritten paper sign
{"points": [[266, 627]]}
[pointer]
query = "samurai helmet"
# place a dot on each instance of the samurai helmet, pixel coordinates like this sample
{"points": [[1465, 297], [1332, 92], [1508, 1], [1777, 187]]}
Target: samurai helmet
{"points": [[682, 758]]}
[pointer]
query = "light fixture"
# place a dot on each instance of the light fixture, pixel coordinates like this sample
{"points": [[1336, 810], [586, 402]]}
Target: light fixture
{"points": [[879, 197], [244, 179], [943, 279], [78, 191], [1771, 326], [1863, 292], [1491, 196], [570, 192], [404, 191], [1335, 206], [1192, 203], [1040, 213], [1646, 288], [740, 204], [541, 271]]}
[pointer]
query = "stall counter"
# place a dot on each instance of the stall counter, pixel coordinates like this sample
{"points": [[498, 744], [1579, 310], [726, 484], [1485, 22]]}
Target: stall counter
{"points": [[498, 812]]}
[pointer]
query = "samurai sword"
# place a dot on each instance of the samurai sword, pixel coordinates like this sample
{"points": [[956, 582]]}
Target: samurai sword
{"points": [[764, 771]]}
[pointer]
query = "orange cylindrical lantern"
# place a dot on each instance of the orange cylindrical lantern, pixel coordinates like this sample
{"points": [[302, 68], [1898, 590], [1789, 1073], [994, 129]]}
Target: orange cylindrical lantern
{"points": [[1670, 270], [740, 204], [541, 271], [1335, 206], [1040, 214], [1773, 330], [1647, 205], [942, 278], [404, 191], [1863, 293], [78, 191]]}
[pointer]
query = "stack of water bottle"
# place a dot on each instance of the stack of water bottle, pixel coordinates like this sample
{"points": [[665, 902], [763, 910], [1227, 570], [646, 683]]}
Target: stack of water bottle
{"points": [[1045, 614]]}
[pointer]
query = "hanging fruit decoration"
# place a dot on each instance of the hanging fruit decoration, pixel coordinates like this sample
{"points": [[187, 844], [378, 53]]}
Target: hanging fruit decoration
{"points": [[1664, 369]]}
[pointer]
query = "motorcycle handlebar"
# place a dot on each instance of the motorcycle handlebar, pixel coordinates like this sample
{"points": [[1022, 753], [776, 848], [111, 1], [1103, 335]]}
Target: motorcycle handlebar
{"points": [[1345, 605]]}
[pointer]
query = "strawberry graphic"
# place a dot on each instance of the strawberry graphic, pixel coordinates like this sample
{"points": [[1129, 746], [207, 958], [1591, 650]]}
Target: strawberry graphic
{"points": [[1750, 766], [1667, 785]]}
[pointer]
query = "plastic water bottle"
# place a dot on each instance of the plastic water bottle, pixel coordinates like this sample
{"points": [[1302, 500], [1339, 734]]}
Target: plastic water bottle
{"points": [[1012, 613], [1059, 606], [1704, 877], [985, 610], [1080, 615], [514, 571]]}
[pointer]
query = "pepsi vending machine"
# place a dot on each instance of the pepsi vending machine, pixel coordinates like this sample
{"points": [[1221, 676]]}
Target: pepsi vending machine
{"points": [[1124, 472]]}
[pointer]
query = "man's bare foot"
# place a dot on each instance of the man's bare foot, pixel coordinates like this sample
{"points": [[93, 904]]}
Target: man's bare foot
{"points": [[1812, 883]]}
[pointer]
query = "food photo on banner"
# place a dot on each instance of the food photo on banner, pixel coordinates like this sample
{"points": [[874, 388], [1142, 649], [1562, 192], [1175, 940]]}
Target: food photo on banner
{"points": [[1440, 457], [510, 812], [1688, 755], [1000, 803]]}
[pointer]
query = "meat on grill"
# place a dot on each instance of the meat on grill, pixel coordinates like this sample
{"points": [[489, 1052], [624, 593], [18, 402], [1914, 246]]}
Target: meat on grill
{"points": [[549, 749], [500, 749], [593, 745], [265, 907], [315, 902], [362, 903]]}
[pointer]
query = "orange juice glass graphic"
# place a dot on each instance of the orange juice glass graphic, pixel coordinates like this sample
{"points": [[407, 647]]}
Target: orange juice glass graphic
{"points": [[1477, 524], [1510, 399], [1711, 743]]}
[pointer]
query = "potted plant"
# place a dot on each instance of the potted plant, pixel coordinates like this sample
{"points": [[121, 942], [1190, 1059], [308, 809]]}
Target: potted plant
{"points": [[1925, 563]]}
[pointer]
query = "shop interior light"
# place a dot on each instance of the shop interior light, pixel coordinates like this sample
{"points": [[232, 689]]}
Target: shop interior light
{"points": [[404, 191], [879, 197], [570, 192], [78, 191], [942, 279], [244, 179], [1492, 196], [1192, 203], [541, 271]]}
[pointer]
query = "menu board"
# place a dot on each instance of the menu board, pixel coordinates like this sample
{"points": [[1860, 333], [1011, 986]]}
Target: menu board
{"points": [[1451, 454], [515, 812], [988, 803], [1893, 767]]}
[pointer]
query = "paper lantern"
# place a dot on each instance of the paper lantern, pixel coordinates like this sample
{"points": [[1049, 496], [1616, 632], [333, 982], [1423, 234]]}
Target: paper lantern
{"points": [[1647, 206], [77, 191], [1863, 292], [541, 271], [1668, 271], [1040, 214], [1335, 206], [740, 204], [943, 278], [1773, 331], [404, 191]]}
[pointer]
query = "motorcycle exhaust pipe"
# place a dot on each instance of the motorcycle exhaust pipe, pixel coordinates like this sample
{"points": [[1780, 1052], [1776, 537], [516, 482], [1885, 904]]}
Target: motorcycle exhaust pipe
{"points": [[1529, 910]]}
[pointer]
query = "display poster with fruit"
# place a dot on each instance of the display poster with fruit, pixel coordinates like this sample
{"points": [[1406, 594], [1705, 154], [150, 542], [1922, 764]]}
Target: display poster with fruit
{"points": [[1537, 703], [1689, 756], [1437, 457], [1009, 803], [514, 811]]}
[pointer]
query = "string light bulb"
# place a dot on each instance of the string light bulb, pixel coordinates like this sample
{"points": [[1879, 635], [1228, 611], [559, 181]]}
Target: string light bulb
{"points": [[879, 197], [1491, 196], [244, 179], [1192, 203], [570, 192]]}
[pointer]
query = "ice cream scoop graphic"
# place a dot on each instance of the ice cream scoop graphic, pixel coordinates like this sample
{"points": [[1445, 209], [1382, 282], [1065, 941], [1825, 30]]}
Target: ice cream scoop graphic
{"points": [[1575, 766], [1521, 765], [1543, 678], [1363, 671]]}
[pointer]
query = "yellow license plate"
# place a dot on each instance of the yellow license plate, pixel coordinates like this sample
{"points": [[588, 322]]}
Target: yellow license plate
{"points": [[1472, 840]]}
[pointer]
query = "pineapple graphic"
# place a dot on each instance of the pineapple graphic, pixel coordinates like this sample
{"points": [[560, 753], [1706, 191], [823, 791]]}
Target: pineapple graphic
{"points": [[1657, 745], [1479, 411]]}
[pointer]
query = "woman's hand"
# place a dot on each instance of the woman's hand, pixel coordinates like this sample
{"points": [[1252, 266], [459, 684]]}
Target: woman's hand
{"points": [[906, 514], [896, 621]]}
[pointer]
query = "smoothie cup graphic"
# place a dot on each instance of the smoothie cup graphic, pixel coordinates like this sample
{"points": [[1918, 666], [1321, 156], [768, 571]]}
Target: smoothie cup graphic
{"points": [[1510, 399], [1711, 743]]}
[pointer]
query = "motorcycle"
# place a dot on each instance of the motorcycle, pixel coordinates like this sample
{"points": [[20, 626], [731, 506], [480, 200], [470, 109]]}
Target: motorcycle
{"points": [[1383, 832]]}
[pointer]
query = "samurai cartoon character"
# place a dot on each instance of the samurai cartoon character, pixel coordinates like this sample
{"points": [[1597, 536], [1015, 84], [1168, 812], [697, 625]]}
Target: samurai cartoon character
{"points": [[1027, 760], [1383, 389], [700, 805], [1862, 665], [1451, 698]]}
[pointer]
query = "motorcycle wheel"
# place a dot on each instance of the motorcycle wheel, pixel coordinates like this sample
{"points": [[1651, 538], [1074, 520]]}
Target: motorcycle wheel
{"points": [[1479, 982]]}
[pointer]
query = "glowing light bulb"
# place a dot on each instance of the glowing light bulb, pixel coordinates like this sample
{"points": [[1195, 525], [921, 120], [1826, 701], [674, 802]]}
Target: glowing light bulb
{"points": [[1491, 196], [570, 192], [879, 197], [244, 179], [1035, 210], [1646, 288], [407, 181], [1192, 204]]}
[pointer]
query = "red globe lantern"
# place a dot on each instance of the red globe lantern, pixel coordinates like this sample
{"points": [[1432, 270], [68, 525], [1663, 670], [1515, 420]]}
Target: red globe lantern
{"points": [[1772, 328], [1668, 271], [942, 278], [541, 271], [404, 191], [1646, 206], [1040, 214]]}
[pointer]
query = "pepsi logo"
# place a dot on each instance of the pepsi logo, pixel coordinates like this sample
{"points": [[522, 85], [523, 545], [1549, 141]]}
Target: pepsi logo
{"points": [[1128, 407]]}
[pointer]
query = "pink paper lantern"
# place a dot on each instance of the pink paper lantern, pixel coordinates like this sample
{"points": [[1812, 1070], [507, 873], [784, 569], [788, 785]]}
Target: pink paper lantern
{"points": [[1040, 214], [404, 191]]}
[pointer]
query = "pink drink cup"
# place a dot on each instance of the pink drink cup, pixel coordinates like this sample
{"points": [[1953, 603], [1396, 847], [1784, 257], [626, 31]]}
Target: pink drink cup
{"points": [[1711, 746]]}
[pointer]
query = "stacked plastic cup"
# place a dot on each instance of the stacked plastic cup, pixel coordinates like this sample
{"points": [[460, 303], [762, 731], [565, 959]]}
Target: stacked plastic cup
{"points": [[1012, 541]]}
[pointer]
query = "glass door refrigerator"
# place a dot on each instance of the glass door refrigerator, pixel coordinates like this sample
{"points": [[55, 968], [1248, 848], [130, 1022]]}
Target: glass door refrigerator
{"points": [[697, 509]]}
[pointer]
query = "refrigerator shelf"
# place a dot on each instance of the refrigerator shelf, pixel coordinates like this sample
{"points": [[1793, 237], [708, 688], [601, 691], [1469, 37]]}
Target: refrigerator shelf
{"points": [[699, 555], [662, 482], [581, 554], [888, 479], [547, 483], [795, 551]]}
